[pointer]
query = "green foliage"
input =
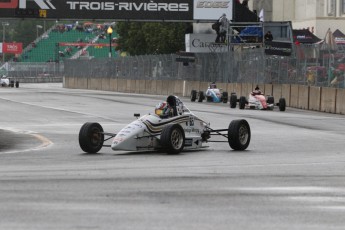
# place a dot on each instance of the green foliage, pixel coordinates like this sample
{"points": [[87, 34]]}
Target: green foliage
{"points": [[140, 38]]}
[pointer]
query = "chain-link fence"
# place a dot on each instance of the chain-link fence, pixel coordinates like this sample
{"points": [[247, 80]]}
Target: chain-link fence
{"points": [[32, 70], [308, 65]]}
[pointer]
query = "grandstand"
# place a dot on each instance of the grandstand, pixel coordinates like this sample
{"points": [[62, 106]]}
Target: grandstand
{"points": [[47, 48]]}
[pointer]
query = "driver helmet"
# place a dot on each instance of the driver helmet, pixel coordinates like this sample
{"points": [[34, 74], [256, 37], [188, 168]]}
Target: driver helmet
{"points": [[213, 85], [163, 109]]}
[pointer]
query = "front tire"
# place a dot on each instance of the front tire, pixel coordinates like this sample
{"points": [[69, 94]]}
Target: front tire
{"points": [[270, 100], [91, 137], [239, 134], [173, 138]]}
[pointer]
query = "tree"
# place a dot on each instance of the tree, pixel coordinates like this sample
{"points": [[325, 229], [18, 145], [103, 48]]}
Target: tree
{"points": [[139, 38]]}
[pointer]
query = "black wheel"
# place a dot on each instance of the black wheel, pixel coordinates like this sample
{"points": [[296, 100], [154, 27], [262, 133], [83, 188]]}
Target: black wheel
{"points": [[282, 104], [17, 84], [242, 102], [172, 138], [270, 100], [225, 97], [239, 134], [201, 96], [193, 95], [209, 99], [233, 101], [91, 137]]}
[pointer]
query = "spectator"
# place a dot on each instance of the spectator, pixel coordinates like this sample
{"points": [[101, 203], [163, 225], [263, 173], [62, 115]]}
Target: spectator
{"points": [[223, 28], [268, 36]]}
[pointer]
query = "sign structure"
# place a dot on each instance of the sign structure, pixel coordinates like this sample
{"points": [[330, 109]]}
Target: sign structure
{"points": [[278, 48], [14, 48], [132, 10]]}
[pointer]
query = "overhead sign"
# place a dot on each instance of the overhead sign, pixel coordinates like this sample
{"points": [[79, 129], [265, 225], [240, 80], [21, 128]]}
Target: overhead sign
{"points": [[147, 10]]}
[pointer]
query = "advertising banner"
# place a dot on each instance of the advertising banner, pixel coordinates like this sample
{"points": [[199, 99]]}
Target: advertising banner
{"points": [[212, 10], [135, 10], [278, 48], [14, 48], [172, 10], [203, 43]]}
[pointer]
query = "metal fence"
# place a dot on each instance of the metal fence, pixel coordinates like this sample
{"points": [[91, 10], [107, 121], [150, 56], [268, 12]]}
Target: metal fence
{"points": [[309, 65]]}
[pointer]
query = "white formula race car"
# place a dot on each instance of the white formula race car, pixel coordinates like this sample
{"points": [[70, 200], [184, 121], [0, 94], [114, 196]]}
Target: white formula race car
{"points": [[256, 100], [183, 130], [213, 94], [4, 81]]}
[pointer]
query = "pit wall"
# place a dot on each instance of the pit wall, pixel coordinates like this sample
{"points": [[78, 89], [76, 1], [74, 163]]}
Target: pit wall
{"points": [[322, 99]]}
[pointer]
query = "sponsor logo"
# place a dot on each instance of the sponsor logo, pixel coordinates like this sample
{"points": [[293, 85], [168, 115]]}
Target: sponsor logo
{"points": [[128, 6], [213, 4], [21, 4], [203, 44]]}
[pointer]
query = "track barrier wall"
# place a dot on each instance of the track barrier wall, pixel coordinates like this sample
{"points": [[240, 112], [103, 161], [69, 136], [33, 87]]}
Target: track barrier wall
{"points": [[323, 99]]}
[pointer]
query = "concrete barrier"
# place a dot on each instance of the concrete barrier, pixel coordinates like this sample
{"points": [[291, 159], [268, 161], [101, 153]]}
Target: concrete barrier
{"points": [[95, 83], [121, 85], [246, 89], [277, 92], [340, 101], [303, 97], [178, 87], [328, 100], [294, 96], [314, 98], [105, 84], [268, 89], [189, 86], [113, 84], [286, 93]]}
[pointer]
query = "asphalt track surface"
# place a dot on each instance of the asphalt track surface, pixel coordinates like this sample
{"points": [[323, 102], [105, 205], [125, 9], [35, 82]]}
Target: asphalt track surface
{"points": [[290, 177]]}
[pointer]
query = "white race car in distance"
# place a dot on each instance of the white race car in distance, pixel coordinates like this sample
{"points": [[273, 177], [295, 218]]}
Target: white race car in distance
{"points": [[183, 130]]}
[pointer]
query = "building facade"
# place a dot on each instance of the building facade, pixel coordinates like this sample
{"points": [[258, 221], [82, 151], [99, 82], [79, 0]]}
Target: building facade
{"points": [[316, 15]]}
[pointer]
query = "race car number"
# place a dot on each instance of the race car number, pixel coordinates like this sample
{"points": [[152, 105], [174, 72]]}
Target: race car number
{"points": [[191, 121]]}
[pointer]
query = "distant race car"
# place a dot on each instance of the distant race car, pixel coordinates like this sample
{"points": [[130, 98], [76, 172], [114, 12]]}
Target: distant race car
{"points": [[4, 81], [172, 128], [213, 94], [256, 100]]}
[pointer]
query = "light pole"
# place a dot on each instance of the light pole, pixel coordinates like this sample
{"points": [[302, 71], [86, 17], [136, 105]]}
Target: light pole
{"points": [[38, 27], [3, 39], [109, 31]]}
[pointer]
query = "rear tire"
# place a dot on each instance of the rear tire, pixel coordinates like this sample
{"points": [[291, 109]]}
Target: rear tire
{"points": [[239, 134], [225, 97], [282, 104], [242, 102], [233, 101], [91, 137], [193, 95], [173, 138], [201, 96]]}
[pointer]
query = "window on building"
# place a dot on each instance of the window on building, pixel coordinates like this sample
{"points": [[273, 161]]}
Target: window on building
{"points": [[331, 7], [343, 6]]}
